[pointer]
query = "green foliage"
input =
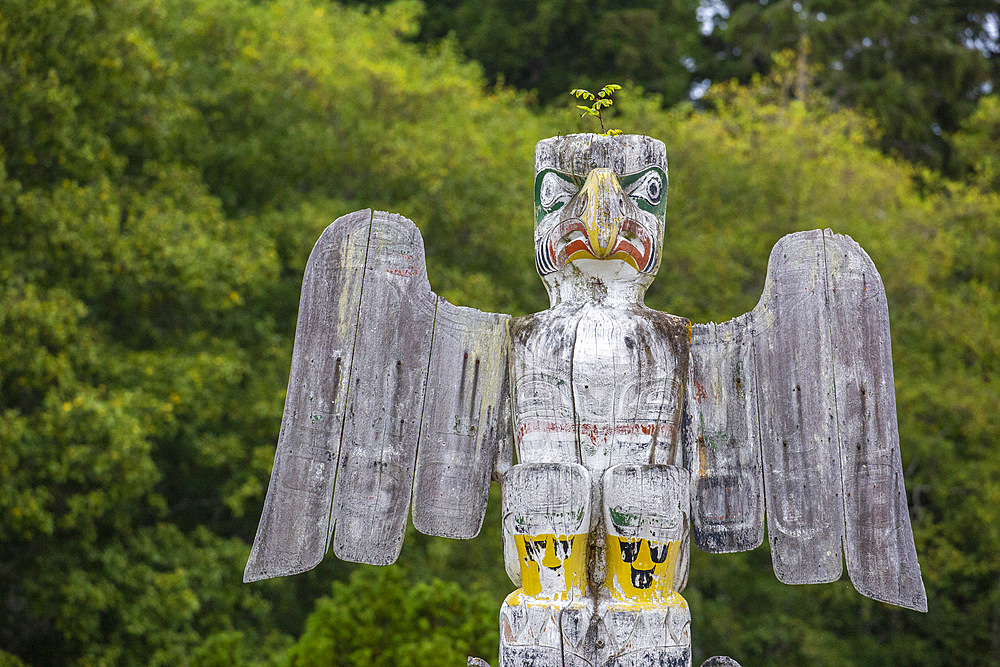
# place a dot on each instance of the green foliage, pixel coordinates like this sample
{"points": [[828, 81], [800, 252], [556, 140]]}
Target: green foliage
{"points": [[379, 618], [918, 67], [600, 101], [166, 165], [547, 46], [978, 143], [885, 57]]}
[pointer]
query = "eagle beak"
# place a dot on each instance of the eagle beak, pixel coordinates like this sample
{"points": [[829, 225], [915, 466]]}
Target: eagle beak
{"points": [[602, 207], [600, 222]]}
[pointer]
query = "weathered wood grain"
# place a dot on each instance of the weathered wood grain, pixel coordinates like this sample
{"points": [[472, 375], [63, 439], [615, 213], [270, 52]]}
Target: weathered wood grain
{"points": [[546, 509], [794, 352], [545, 422], [385, 398], [646, 501], [345, 463], [818, 342], [628, 370], [668, 354], [463, 423], [546, 498], [881, 558], [294, 526], [579, 153], [650, 502], [722, 438]]}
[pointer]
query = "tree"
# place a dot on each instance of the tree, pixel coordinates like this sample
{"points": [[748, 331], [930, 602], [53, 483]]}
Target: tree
{"points": [[380, 618], [916, 67], [165, 166], [148, 285], [550, 46], [978, 143]]}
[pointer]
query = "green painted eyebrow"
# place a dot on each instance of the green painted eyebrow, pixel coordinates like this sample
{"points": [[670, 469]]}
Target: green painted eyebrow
{"points": [[576, 180], [629, 179]]}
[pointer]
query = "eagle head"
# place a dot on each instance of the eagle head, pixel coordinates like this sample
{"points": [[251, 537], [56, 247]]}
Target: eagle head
{"points": [[600, 205]]}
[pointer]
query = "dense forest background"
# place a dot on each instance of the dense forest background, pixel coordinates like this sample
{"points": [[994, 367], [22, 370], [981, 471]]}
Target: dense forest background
{"points": [[166, 165]]}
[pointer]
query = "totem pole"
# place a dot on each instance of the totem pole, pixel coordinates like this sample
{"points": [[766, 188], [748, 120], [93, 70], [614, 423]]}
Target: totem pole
{"points": [[617, 432]]}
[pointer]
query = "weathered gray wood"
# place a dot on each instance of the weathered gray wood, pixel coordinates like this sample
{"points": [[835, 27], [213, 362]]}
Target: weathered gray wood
{"points": [[546, 511], [662, 363], [649, 502], [881, 558], [644, 621], [385, 399], [628, 369], [802, 479], [818, 337], [464, 422], [723, 438], [546, 498], [294, 526], [545, 422], [579, 153], [356, 421], [646, 501]]}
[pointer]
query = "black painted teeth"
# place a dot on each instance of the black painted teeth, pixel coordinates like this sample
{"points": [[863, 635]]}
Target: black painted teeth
{"points": [[642, 579]]}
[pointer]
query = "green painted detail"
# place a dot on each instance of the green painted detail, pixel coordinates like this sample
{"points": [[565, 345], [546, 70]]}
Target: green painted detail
{"points": [[623, 518], [716, 439], [660, 208], [575, 181], [572, 180], [561, 518]]}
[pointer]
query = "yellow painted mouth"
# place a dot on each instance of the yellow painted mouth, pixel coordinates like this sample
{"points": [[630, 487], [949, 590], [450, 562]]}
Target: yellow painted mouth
{"points": [[563, 559], [641, 572]]}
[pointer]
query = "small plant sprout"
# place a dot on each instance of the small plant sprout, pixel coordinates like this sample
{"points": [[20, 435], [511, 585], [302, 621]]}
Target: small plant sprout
{"points": [[600, 101]]}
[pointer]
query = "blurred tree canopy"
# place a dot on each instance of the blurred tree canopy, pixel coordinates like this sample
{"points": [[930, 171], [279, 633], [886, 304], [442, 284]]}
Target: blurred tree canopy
{"points": [[916, 67], [166, 165]]}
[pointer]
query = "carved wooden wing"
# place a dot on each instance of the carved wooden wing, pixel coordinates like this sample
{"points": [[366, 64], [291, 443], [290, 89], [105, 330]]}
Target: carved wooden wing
{"points": [[791, 406], [394, 394]]}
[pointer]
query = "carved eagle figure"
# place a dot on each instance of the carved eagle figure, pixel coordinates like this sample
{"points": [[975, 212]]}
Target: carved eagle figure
{"points": [[617, 431]]}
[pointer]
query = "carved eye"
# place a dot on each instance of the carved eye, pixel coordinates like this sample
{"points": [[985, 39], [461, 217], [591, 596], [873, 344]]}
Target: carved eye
{"points": [[630, 550], [649, 187], [534, 549], [563, 548], [658, 552], [554, 192]]}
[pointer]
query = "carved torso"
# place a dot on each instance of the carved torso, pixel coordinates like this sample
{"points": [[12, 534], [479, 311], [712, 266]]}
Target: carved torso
{"points": [[598, 385]]}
